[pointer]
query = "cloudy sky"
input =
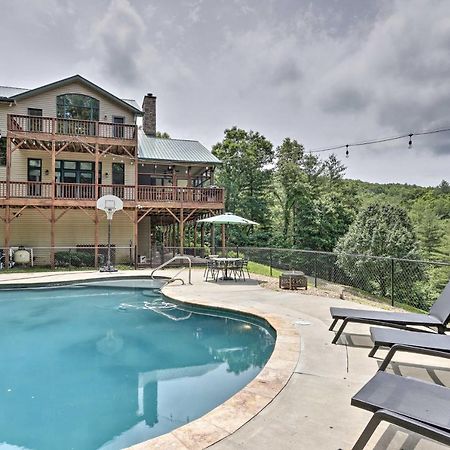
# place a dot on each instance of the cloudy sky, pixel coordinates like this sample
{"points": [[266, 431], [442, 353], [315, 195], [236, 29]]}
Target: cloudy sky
{"points": [[324, 72]]}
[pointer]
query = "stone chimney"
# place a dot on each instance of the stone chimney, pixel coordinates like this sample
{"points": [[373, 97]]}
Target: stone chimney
{"points": [[149, 119]]}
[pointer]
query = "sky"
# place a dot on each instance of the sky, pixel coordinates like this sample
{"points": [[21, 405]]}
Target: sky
{"points": [[323, 72]]}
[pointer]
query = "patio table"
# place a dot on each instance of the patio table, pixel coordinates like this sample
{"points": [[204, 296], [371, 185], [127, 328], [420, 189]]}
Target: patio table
{"points": [[226, 263]]}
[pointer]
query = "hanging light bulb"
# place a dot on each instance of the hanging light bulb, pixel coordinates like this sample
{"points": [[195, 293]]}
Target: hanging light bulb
{"points": [[347, 153], [410, 140]]}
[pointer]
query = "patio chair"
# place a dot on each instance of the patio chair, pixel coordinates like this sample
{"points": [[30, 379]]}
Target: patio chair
{"points": [[438, 317], [389, 337], [412, 404], [245, 267], [237, 269], [210, 269]]}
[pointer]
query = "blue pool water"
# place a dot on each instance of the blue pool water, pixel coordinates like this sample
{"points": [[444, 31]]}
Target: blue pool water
{"points": [[107, 366]]}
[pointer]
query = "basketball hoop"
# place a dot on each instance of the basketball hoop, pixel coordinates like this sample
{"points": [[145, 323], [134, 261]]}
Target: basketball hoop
{"points": [[110, 204]]}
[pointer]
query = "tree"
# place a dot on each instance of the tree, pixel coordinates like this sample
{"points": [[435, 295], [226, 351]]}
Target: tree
{"points": [[444, 187], [428, 226], [378, 230], [162, 135], [246, 175], [315, 205]]}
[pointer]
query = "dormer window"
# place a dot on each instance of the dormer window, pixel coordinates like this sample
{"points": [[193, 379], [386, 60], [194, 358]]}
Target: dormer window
{"points": [[77, 106]]}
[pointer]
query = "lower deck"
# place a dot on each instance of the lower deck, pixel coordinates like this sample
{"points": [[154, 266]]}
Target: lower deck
{"points": [[53, 235]]}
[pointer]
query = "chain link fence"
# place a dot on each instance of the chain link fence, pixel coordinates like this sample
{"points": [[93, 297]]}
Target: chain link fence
{"points": [[410, 284], [406, 283], [68, 258]]}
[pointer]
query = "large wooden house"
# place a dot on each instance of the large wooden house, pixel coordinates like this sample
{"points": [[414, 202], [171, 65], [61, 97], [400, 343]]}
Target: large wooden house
{"points": [[65, 144]]}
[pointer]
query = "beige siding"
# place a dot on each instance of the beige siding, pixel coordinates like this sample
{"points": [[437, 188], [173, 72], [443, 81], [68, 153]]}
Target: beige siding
{"points": [[47, 102], [31, 229], [20, 157], [144, 237], [4, 111]]}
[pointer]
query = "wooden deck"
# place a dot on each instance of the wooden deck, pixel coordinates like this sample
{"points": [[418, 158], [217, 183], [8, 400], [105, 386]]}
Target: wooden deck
{"points": [[20, 193]]}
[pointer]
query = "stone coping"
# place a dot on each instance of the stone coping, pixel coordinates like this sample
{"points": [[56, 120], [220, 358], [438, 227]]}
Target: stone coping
{"points": [[228, 417]]}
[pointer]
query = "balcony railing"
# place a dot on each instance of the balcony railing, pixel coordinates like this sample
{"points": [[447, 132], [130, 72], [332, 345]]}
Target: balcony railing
{"points": [[71, 127], [84, 191]]}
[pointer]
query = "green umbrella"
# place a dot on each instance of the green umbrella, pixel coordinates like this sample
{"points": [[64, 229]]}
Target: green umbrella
{"points": [[227, 219]]}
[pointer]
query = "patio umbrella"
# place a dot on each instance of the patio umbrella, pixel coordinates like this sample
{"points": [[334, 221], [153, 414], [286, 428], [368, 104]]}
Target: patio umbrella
{"points": [[227, 219]]}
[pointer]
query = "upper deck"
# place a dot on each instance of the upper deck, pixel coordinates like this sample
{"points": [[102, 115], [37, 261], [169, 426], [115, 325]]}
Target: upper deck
{"points": [[51, 128]]}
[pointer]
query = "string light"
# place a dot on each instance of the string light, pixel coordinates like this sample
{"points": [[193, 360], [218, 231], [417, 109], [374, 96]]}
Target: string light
{"points": [[381, 140], [347, 153]]}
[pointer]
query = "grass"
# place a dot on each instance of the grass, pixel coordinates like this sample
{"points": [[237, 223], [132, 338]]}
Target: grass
{"points": [[261, 269]]}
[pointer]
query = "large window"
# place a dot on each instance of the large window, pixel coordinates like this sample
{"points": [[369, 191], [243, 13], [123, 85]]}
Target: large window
{"points": [[35, 119], [77, 106], [77, 172]]}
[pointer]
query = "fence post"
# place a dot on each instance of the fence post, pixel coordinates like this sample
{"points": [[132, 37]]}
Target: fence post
{"points": [[237, 251], [315, 272], [270, 261], [392, 281]]}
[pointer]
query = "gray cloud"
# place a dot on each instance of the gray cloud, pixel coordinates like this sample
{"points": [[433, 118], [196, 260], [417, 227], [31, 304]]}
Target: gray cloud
{"points": [[324, 72]]}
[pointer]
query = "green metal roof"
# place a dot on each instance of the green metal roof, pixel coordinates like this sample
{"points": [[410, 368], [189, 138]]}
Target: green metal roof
{"points": [[173, 150]]}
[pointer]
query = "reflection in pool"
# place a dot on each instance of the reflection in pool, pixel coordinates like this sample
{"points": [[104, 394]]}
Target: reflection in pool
{"points": [[102, 367]]}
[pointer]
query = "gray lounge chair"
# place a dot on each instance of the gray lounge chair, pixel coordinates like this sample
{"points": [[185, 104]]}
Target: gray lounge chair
{"points": [[438, 317], [406, 402], [385, 337]]}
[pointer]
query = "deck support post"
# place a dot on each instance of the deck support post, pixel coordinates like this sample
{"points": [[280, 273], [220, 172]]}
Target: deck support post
{"points": [[96, 195], [8, 167], [135, 238], [52, 211], [195, 238], [181, 231], [96, 244], [7, 235], [202, 237], [174, 234], [52, 236]]}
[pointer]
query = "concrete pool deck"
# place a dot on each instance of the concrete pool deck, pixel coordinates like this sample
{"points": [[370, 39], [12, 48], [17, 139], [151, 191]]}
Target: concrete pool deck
{"points": [[313, 409]]}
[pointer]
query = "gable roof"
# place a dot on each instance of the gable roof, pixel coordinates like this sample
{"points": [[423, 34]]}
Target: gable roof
{"points": [[12, 93], [173, 150]]}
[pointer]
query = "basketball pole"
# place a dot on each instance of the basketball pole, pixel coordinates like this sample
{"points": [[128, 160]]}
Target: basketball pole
{"points": [[108, 264]]}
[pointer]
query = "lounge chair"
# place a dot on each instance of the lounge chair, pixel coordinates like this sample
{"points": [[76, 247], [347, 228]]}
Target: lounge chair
{"points": [[438, 317], [406, 402], [385, 337]]}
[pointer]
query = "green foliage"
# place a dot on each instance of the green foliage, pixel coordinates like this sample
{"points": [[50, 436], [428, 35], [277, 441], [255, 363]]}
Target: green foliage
{"points": [[429, 228], [162, 135], [379, 230], [315, 207], [247, 177], [74, 259]]}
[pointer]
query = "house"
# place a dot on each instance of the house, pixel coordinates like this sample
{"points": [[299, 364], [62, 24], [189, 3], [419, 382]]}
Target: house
{"points": [[65, 144]]}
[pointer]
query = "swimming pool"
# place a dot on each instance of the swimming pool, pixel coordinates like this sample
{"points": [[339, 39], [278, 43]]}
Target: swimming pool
{"points": [[108, 365]]}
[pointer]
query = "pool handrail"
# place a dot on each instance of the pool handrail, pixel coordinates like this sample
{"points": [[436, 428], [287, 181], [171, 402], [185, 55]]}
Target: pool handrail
{"points": [[175, 258]]}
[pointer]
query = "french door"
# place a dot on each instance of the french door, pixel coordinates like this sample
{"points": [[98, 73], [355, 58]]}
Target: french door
{"points": [[34, 176]]}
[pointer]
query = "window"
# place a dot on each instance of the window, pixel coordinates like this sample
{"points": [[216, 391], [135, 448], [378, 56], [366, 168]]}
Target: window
{"points": [[118, 126], [118, 177], [77, 106], [77, 172], [34, 171], [35, 121], [72, 172], [3, 151]]}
